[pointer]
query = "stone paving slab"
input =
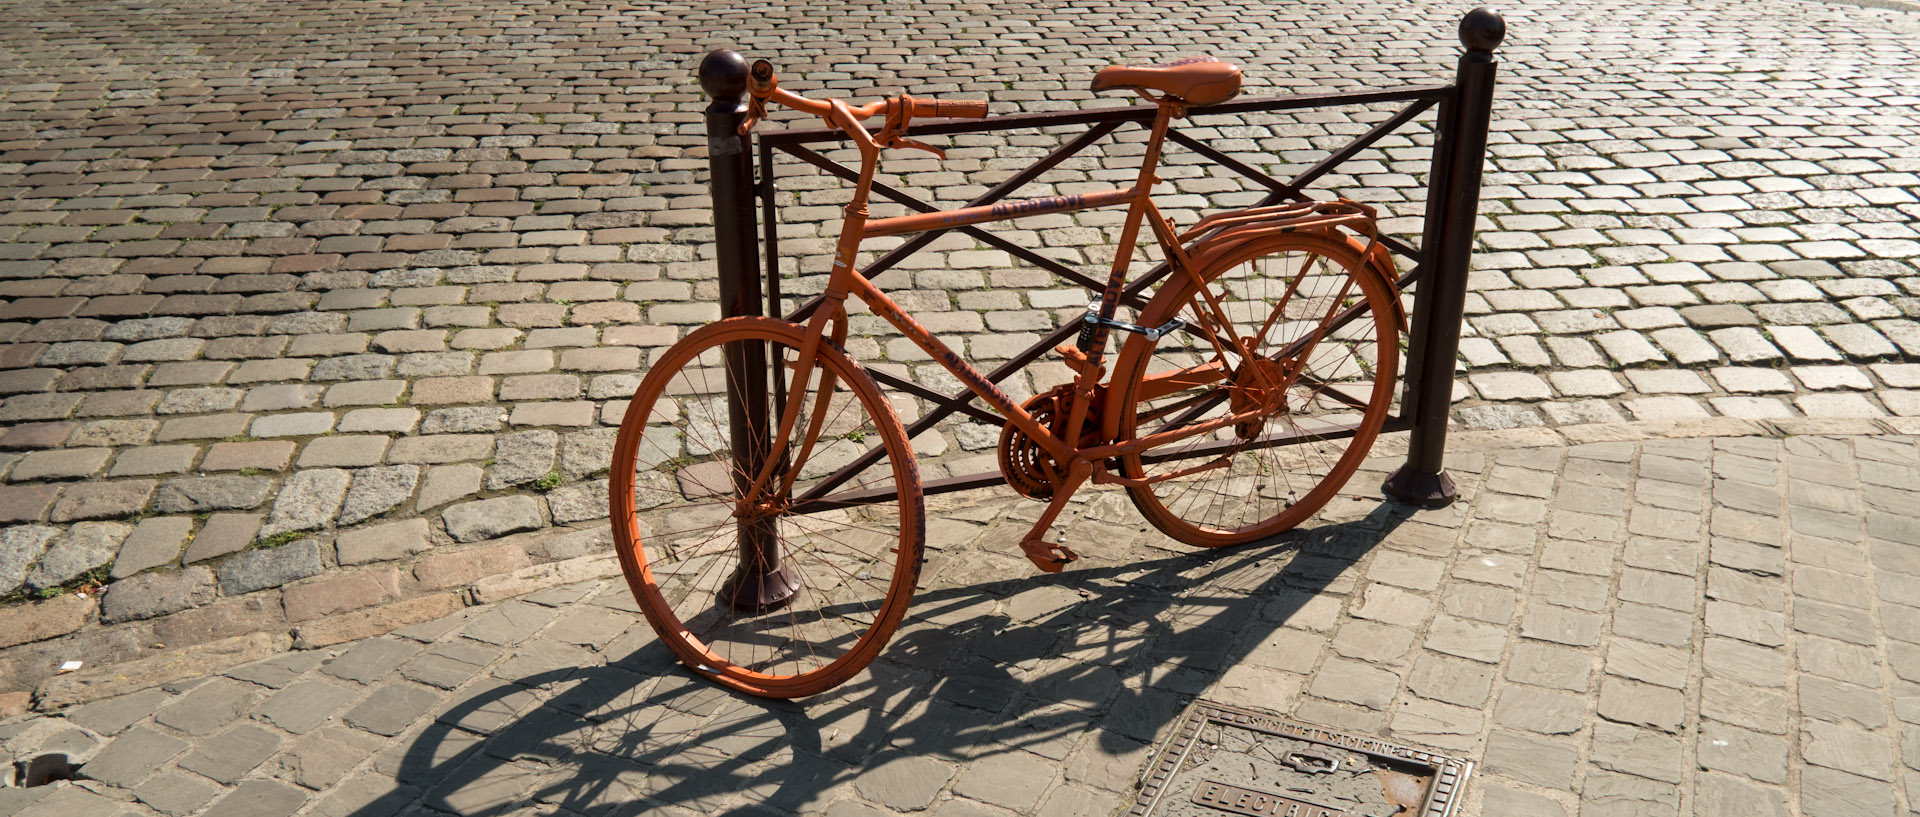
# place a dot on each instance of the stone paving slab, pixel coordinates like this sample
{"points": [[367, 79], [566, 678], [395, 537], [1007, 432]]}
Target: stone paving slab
{"points": [[1660, 619]]}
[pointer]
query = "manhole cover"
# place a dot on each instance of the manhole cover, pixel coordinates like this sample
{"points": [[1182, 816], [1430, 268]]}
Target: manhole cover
{"points": [[1229, 760]]}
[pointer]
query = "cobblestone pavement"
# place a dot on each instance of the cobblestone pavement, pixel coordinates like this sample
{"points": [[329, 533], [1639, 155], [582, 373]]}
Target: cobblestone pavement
{"points": [[315, 317], [1612, 623], [353, 278]]}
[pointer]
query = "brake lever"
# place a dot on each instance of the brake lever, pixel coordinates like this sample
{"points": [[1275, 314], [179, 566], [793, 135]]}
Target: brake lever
{"points": [[898, 142], [761, 83], [899, 115], [756, 111]]}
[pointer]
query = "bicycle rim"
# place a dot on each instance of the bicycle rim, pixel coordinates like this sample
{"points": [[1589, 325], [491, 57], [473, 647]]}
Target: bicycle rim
{"points": [[847, 574], [1263, 477]]}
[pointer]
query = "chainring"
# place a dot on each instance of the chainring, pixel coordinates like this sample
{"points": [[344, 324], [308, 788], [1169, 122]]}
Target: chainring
{"points": [[1030, 470]]}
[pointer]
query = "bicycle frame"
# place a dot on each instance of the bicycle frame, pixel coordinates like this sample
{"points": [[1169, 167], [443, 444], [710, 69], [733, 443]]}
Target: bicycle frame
{"points": [[844, 280]]}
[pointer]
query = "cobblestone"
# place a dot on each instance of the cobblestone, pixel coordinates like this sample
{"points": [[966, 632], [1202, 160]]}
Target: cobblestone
{"points": [[490, 518], [391, 709], [228, 756], [68, 464], [131, 757], [223, 533], [71, 554], [522, 457], [175, 794], [152, 543], [40, 621], [304, 706], [258, 798], [344, 451], [265, 455], [271, 567], [208, 707], [309, 499], [155, 594], [202, 494], [322, 759], [370, 660]]}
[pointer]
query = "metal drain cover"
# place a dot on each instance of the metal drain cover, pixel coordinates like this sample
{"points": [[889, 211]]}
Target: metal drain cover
{"points": [[1231, 760]]}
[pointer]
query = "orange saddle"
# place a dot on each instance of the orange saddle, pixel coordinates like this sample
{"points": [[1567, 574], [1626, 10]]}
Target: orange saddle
{"points": [[1194, 80]]}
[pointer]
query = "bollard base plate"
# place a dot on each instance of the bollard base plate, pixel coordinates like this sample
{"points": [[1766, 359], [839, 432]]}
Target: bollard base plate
{"points": [[760, 591], [1425, 489]]}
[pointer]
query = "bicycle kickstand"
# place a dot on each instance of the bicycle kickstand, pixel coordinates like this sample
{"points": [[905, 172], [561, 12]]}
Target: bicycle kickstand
{"points": [[1055, 558]]}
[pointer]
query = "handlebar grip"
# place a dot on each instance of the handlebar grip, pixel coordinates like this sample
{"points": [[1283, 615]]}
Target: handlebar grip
{"points": [[761, 79], [952, 108]]}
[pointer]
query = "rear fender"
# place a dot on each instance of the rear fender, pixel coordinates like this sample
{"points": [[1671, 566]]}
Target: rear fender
{"points": [[1380, 263]]}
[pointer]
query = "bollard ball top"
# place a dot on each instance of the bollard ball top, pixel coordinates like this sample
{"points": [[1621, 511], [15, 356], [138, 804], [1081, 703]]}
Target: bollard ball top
{"points": [[723, 74], [1481, 30]]}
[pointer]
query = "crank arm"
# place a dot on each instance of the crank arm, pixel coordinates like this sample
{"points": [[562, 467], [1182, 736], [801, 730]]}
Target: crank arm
{"points": [[1054, 558]]}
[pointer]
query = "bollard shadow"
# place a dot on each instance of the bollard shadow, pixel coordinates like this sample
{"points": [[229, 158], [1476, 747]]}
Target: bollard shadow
{"points": [[1092, 662]]}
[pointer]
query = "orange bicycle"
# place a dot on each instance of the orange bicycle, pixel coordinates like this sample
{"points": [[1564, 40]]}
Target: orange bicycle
{"points": [[1247, 391]]}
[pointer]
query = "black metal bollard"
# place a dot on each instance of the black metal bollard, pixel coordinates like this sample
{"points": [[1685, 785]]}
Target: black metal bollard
{"points": [[1459, 153], [761, 582]]}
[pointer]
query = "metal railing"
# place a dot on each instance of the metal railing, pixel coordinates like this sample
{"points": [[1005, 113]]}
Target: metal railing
{"points": [[1437, 269]]}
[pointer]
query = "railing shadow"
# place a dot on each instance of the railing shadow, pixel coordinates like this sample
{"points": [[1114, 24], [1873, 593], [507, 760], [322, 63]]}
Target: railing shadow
{"points": [[1106, 656]]}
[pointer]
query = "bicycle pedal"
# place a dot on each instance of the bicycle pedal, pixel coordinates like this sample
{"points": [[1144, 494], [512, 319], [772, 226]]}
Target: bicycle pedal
{"points": [[1049, 558]]}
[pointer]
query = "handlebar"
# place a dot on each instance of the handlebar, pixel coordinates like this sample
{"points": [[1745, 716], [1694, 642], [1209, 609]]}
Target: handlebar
{"points": [[764, 86]]}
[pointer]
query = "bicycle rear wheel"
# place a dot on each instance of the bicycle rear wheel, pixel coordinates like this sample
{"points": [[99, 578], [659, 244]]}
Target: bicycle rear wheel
{"points": [[772, 598], [1286, 297]]}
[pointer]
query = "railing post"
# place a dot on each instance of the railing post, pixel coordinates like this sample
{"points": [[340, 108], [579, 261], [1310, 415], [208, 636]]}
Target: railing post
{"points": [[1460, 152], [761, 582]]}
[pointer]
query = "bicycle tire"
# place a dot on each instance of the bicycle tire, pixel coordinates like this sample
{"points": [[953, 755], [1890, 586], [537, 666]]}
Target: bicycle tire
{"points": [[674, 490], [1263, 490]]}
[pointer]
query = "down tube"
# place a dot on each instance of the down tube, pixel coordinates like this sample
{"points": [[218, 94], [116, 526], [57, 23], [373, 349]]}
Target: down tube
{"points": [[951, 361]]}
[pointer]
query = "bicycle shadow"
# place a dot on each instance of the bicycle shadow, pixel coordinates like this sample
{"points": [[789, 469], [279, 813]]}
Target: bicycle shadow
{"points": [[1082, 669]]}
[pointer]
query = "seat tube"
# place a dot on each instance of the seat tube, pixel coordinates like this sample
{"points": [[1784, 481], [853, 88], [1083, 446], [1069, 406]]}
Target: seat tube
{"points": [[1093, 337]]}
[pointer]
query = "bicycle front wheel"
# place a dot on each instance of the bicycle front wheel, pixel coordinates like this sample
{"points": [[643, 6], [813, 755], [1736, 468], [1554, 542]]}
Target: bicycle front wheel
{"points": [[1306, 338], [775, 596]]}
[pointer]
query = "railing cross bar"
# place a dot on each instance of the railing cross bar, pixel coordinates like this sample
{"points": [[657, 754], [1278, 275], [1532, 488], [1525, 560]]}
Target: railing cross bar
{"points": [[1353, 148], [998, 192], [957, 401], [902, 197], [1121, 115], [1228, 162], [1046, 263]]}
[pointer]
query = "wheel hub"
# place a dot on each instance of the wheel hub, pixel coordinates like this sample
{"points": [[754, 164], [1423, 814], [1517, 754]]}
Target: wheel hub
{"points": [[1261, 383], [761, 509]]}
